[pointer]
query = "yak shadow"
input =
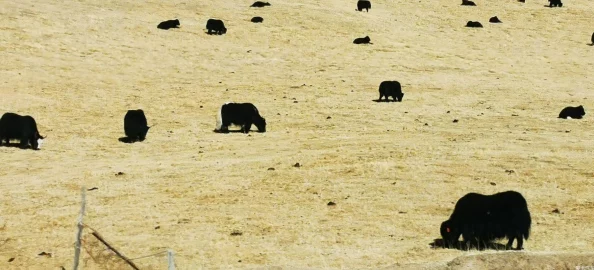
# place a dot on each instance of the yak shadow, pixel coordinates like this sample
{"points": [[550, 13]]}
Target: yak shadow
{"points": [[439, 243], [235, 131], [15, 145], [383, 100], [128, 140]]}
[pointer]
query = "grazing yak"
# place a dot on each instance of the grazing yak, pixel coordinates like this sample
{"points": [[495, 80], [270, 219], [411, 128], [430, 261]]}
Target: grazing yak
{"points": [[168, 24], [257, 19], [135, 125], [494, 20], [474, 24], [260, 4], [480, 219], [216, 26], [363, 4], [365, 40], [241, 114], [391, 89], [18, 127], [468, 3], [573, 112], [555, 3], [592, 39]]}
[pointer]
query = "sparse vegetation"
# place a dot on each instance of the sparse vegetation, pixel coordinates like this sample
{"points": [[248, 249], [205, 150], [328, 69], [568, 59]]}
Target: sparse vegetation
{"points": [[78, 66]]}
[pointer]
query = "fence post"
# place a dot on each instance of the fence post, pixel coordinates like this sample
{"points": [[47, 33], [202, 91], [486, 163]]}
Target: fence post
{"points": [[80, 228], [170, 259]]}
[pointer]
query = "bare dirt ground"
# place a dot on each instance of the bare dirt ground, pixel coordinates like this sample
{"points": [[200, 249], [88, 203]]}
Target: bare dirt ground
{"points": [[394, 170]]}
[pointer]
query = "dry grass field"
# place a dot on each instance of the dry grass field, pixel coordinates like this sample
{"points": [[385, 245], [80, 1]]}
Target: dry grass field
{"points": [[394, 170]]}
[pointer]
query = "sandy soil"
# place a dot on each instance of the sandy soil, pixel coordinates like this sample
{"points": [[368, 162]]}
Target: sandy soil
{"points": [[394, 170]]}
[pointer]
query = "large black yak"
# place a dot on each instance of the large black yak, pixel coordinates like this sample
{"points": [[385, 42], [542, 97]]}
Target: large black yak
{"points": [[363, 5], [135, 126], [480, 219], [18, 127], [391, 89], [241, 114], [573, 112], [216, 26]]}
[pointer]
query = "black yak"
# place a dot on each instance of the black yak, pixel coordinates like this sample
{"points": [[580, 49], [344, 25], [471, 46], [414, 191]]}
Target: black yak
{"points": [[168, 24], [216, 26], [135, 126], [257, 19], [391, 89], [474, 24], [365, 40], [494, 20], [480, 219], [573, 112], [260, 4], [363, 4], [468, 3], [241, 114], [18, 127], [555, 3]]}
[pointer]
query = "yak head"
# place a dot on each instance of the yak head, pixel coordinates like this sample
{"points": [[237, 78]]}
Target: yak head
{"points": [[449, 234], [581, 110], [260, 123]]}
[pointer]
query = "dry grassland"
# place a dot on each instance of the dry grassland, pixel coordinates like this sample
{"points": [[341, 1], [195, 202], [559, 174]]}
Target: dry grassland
{"points": [[394, 170]]}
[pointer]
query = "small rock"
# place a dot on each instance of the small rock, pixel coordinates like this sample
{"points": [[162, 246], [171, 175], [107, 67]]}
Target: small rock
{"points": [[510, 171], [556, 211], [157, 227], [426, 124], [119, 173], [493, 184], [45, 254], [331, 203], [448, 112], [236, 233], [200, 152], [567, 131], [295, 101], [11, 259], [297, 165], [201, 106], [239, 261], [455, 121], [329, 117], [93, 188], [514, 114], [271, 169], [401, 212]]}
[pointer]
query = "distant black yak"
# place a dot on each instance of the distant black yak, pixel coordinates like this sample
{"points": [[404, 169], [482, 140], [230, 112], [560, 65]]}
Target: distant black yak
{"points": [[480, 219], [468, 3], [363, 4], [216, 26], [555, 3], [257, 19], [365, 40], [573, 112], [241, 114], [168, 24], [18, 127], [474, 24], [391, 89], [592, 39], [260, 4], [494, 20], [135, 126]]}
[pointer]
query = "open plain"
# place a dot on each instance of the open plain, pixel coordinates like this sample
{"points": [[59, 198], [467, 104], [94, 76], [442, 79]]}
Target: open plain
{"points": [[394, 170]]}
